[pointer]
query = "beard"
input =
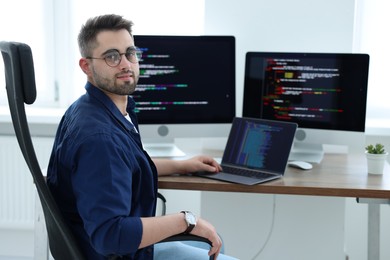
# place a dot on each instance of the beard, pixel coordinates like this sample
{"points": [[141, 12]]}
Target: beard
{"points": [[110, 84]]}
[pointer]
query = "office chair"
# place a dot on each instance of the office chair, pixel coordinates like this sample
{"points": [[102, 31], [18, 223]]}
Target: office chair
{"points": [[20, 85]]}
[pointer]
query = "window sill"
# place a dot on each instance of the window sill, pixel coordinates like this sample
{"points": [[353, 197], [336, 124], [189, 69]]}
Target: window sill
{"points": [[43, 121]]}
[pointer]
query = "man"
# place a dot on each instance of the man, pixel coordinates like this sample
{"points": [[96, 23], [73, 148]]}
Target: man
{"points": [[102, 179]]}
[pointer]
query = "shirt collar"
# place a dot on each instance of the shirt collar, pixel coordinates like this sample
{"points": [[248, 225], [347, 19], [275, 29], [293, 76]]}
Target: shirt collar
{"points": [[110, 106]]}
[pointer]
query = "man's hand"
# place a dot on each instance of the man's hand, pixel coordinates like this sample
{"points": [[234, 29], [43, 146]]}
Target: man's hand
{"points": [[206, 230], [200, 163]]}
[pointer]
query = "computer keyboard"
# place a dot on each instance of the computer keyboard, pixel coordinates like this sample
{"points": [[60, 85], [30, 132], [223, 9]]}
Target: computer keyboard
{"points": [[246, 172]]}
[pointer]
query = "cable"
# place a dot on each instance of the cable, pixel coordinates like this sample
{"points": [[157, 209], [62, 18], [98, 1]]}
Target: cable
{"points": [[270, 230]]}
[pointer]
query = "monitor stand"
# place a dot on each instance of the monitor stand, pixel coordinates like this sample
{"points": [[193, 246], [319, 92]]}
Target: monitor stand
{"points": [[307, 152], [163, 150]]}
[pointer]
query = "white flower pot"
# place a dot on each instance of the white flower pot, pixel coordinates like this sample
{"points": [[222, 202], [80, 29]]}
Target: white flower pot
{"points": [[376, 163]]}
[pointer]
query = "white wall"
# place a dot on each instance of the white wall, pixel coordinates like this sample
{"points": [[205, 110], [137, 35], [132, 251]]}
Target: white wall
{"points": [[299, 228]]}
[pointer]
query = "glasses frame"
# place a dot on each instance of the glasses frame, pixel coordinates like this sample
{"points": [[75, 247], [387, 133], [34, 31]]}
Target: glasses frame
{"points": [[136, 52]]}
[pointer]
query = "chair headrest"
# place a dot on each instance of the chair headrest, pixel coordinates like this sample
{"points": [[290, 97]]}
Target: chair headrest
{"points": [[18, 58]]}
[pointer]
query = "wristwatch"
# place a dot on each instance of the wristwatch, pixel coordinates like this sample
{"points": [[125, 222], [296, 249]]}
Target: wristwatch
{"points": [[190, 219]]}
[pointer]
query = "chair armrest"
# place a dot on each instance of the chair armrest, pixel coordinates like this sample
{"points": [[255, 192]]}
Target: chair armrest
{"points": [[188, 237]]}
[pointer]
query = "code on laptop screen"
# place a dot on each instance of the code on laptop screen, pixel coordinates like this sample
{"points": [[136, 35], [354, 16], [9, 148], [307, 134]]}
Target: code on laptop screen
{"points": [[263, 144]]}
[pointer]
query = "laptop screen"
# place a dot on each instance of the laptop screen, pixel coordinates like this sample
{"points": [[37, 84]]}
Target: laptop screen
{"points": [[259, 144]]}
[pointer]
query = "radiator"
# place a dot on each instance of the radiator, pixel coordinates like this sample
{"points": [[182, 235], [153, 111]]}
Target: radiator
{"points": [[17, 190]]}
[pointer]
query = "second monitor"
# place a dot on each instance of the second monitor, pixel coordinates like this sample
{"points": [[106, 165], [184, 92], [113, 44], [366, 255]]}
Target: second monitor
{"points": [[324, 93]]}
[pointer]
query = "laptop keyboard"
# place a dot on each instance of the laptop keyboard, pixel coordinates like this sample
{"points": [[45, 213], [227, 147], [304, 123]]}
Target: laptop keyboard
{"points": [[246, 172]]}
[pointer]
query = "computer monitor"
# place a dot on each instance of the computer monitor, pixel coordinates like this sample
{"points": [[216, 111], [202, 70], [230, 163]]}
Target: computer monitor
{"points": [[324, 93], [186, 89]]}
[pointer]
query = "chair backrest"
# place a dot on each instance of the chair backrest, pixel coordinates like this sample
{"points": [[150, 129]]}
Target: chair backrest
{"points": [[20, 85]]}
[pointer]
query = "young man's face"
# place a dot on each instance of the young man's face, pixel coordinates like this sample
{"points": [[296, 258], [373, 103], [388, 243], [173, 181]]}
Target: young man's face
{"points": [[121, 79]]}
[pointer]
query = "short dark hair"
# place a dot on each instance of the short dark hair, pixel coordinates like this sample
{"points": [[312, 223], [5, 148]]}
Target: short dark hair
{"points": [[95, 25]]}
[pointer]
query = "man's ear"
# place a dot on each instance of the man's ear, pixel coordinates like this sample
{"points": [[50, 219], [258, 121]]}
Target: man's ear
{"points": [[84, 65]]}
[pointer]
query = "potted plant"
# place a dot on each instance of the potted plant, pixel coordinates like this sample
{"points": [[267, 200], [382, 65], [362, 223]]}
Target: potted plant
{"points": [[376, 157]]}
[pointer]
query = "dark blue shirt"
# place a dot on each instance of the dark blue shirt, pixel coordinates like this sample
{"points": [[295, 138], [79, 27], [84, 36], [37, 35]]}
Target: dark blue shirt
{"points": [[101, 178]]}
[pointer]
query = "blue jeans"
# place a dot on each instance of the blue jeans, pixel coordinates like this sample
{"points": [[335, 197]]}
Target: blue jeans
{"points": [[184, 251]]}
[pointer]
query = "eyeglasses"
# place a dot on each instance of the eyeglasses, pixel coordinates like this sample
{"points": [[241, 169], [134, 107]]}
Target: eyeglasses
{"points": [[113, 58]]}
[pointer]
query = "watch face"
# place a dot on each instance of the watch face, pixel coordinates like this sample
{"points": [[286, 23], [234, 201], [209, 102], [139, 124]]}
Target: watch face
{"points": [[190, 218]]}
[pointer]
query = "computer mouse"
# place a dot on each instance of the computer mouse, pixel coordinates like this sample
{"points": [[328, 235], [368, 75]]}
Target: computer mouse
{"points": [[300, 165]]}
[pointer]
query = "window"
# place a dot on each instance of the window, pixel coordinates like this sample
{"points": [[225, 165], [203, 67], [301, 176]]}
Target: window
{"points": [[27, 21], [50, 28], [371, 37]]}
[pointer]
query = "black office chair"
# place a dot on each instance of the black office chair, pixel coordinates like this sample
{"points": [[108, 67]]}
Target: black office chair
{"points": [[20, 85]]}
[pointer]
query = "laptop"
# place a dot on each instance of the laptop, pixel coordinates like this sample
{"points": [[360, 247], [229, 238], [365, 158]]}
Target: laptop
{"points": [[256, 151]]}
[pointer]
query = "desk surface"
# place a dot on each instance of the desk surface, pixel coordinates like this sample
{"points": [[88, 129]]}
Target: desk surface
{"points": [[337, 175]]}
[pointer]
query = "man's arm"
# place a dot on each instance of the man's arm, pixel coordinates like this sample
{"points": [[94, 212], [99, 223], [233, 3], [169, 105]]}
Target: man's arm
{"points": [[194, 164], [156, 229]]}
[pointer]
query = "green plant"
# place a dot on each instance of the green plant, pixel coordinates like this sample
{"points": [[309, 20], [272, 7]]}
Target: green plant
{"points": [[376, 149]]}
